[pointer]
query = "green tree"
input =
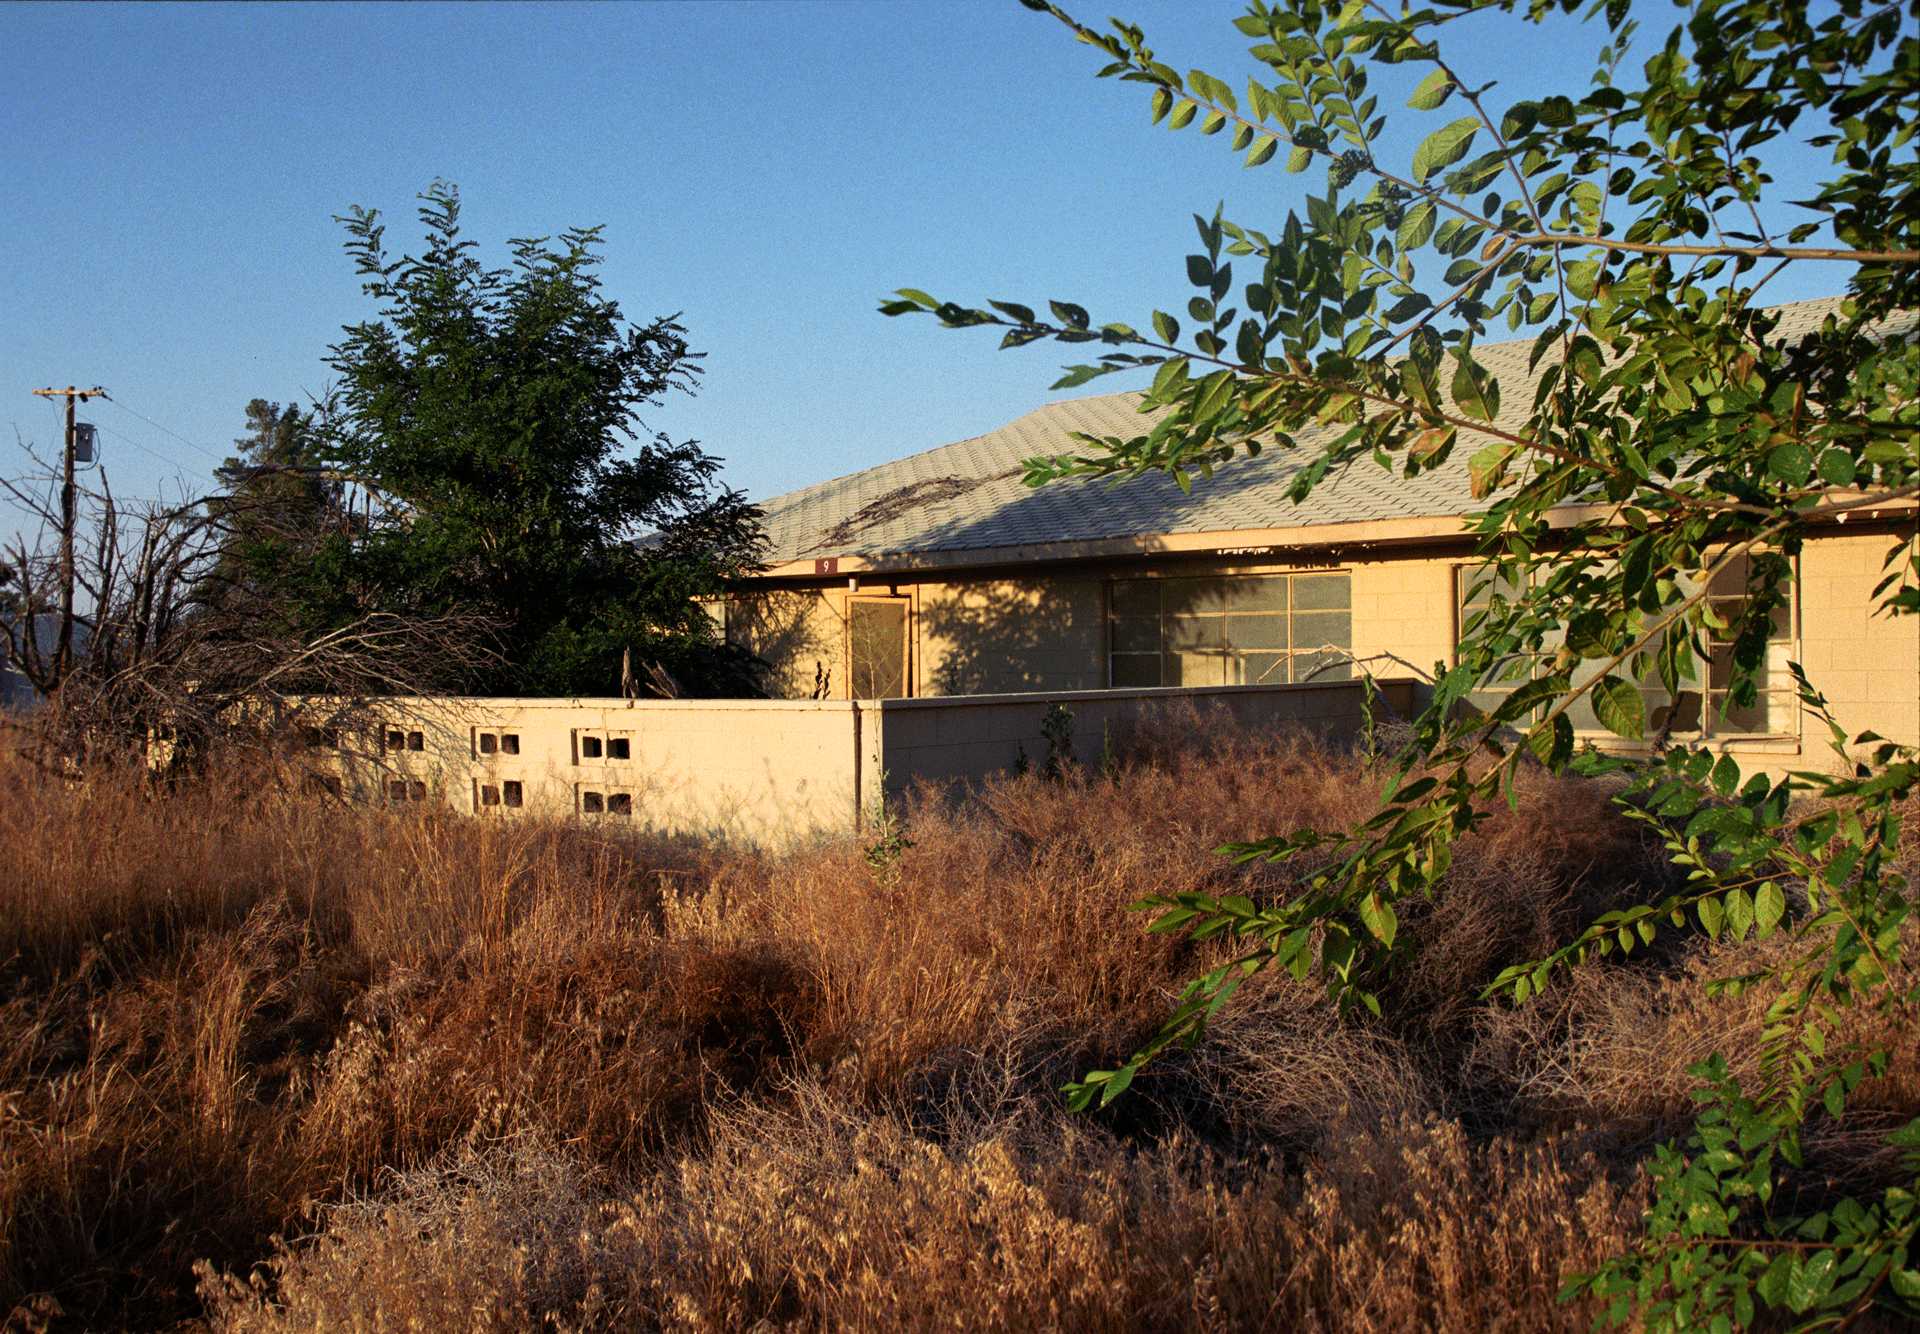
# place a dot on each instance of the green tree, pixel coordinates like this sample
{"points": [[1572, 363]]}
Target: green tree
{"points": [[277, 505], [1631, 226], [489, 413]]}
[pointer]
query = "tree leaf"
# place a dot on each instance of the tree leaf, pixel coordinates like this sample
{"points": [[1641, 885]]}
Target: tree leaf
{"points": [[1476, 392], [1434, 90], [1417, 227], [1444, 147], [1619, 706], [1488, 469], [1791, 463]]}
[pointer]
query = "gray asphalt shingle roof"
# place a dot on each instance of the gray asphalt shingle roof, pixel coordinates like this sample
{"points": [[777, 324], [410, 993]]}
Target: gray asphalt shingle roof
{"points": [[968, 496]]}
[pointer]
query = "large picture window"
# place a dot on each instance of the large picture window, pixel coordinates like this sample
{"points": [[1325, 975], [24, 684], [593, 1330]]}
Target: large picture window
{"points": [[1267, 629], [1703, 707]]}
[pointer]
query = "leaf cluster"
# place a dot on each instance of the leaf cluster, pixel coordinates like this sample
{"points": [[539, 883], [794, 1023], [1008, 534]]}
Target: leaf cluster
{"points": [[494, 413], [1670, 441]]}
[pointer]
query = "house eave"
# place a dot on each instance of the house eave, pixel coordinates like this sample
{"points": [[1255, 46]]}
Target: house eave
{"points": [[1246, 543]]}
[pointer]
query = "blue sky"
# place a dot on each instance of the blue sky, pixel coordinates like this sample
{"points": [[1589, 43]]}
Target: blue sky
{"points": [[768, 170]]}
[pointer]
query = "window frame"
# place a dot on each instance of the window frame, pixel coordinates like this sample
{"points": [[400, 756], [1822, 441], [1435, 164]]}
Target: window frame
{"points": [[1235, 659], [1710, 729], [905, 606]]}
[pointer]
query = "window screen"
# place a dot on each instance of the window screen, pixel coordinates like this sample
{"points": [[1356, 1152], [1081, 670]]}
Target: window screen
{"points": [[1270, 629], [877, 648]]}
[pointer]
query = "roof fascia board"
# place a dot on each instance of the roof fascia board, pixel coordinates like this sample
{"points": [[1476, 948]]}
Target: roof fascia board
{"points": [[1232, 542]]}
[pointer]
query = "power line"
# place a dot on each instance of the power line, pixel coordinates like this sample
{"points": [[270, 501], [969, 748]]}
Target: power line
{"points": [[158, 427], [150, 453]]}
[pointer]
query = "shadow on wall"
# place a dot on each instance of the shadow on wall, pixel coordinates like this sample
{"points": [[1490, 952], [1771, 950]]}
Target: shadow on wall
{"points": [[799, 634], [1012, 636]]}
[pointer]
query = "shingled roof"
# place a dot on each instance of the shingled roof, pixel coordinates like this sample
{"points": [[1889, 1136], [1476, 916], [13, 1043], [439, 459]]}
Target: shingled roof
{"points": [[964, 503]]}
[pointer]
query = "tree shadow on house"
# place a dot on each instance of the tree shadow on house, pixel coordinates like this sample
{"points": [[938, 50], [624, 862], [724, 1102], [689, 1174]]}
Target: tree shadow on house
{"points": [[1013, 636], [795, 631]]}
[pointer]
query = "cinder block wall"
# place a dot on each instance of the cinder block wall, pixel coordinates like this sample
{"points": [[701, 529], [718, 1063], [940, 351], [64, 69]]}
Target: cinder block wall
{"points": [[965, 739], [759, 770], [1866, 664]]}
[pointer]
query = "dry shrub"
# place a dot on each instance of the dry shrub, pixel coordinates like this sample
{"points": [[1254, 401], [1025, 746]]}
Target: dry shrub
{"points": [[820, 1218], [602, 1081]]}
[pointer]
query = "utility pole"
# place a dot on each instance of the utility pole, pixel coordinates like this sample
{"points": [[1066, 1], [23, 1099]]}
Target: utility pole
{"points": [[63, 646]]}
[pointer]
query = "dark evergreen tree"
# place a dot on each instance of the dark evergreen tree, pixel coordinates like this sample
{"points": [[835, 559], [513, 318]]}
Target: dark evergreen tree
{"points": [[493, 415]]}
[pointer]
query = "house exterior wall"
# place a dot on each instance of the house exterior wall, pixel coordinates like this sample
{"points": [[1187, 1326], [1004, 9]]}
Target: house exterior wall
{"points": [[1011, 636], [1866, 664], [1046, 631]]}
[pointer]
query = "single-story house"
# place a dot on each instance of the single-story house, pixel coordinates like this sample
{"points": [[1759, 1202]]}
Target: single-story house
{"points": [[943, 574]]}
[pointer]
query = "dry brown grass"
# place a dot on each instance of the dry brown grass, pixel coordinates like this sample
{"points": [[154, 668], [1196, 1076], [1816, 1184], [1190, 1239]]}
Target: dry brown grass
{"points": [[512, 1075]]}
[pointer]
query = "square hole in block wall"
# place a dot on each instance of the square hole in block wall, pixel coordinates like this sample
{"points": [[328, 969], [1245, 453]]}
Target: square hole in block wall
{"points": [[590, 747], [592, 803], [509, 743], [489, 795], [510, 793], [489, 743], [619, 748], [416, 741], [619, 803]]}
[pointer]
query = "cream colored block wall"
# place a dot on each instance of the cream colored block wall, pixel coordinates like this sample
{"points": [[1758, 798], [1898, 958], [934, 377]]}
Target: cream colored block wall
{"points": [[762, 771], [751, 769], [1866, 664], [1403, 606]]}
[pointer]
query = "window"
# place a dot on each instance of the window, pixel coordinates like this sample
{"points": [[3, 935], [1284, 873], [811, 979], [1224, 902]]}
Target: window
{"points": [[1231, 630], [509, 743], [489, 795], [619, 803], [590, 747], [1773, 713], [396, 741], [416, 741], [877, 648], [592, 803], [619, 748], [418, 791], [489, 743], [396, 789], [510, 794]]}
